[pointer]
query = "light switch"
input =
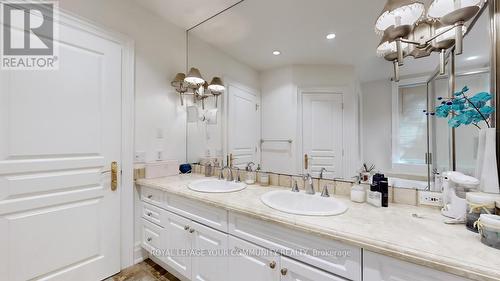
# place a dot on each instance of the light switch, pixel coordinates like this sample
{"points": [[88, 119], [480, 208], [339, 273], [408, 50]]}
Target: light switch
{"points": [[140, 157]]}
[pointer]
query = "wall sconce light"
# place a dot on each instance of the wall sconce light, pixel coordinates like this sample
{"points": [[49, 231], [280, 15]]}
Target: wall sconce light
{"points": [[194, 84]]}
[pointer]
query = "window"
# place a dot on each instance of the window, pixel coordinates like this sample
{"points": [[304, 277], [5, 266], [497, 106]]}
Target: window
{"points": [[409, 145]]}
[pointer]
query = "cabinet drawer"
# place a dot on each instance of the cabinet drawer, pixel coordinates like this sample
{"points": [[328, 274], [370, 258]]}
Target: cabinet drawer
{"points": [[205, 214], [382, 268], [329, 255], [297, 271], [153, 214], [152, 196], [151, 236]]}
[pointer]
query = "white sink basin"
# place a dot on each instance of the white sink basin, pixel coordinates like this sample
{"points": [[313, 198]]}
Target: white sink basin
{"points": [[300, 203], [216, 186]]}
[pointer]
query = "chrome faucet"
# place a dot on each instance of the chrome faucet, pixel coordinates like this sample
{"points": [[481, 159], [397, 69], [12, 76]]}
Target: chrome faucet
{"points": [[321, 173], [308, 184], [229, 174]]}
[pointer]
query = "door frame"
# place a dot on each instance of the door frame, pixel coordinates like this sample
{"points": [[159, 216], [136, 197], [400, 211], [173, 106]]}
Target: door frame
{"points": [[225, 114], [127, 127], [299, 136]]}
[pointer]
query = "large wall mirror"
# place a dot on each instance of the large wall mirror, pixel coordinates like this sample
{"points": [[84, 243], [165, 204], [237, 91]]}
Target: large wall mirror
{"points": [[308, 86]]}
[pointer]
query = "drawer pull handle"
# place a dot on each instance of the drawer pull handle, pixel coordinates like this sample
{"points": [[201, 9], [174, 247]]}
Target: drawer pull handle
{"points": [[191, 230], [150, 196], [272, 264], [149, 239], [284, 271], [149, 214], [186, 227]]}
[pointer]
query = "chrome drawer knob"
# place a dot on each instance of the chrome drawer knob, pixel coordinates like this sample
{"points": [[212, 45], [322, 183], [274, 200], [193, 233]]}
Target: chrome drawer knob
{"points": [[150, 214], [186, 227], [191, 230], [149, 239], [150, 196]]}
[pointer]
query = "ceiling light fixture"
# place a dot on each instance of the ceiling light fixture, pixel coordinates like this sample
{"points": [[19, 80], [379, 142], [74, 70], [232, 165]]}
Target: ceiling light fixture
{"points": [[276, 53], [194, 84], [331, 36], [409, 29]]}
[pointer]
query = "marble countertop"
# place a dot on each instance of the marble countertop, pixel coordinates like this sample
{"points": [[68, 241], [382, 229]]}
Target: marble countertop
{"points": [[393, 231]]}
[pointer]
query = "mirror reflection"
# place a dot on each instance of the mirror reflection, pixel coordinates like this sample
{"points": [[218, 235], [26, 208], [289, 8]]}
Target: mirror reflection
{"points": [[305, 96]]}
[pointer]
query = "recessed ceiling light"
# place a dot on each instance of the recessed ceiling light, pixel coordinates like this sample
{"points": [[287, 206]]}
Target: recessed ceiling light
{"points": [[331, 36], [472, 58], [276, 53]]}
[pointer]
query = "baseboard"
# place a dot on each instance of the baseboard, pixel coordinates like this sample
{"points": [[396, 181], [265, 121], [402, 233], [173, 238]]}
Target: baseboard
{"points": [[139, 253]]}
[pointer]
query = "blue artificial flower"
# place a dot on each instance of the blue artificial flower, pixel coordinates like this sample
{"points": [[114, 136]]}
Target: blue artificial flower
{"points": [[454, 122], [443, 111], [487, 111], [480, 99]]}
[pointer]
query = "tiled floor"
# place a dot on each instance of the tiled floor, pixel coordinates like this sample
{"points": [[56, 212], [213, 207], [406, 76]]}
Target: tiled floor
{"points": [[144, 271]]}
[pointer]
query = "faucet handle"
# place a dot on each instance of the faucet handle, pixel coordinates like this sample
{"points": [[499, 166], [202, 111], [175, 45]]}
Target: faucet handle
{"points": [[295, 186], [324, 192], [238, 175]]}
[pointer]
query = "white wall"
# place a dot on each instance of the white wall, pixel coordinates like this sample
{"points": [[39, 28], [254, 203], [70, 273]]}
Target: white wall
{"points": [[213, 62], [280, 88], [377, 124]]}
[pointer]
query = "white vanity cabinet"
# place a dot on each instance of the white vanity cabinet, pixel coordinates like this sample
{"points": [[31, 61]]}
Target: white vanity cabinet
{"points": [[204, 242]]}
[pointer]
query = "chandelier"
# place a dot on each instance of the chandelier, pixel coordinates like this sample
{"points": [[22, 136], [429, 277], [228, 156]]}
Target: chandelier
{"points": [[419, 27]]}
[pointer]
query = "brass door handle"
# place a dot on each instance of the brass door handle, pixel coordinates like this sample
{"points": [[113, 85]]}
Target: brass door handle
{"points": [[114, 175], [272, 264], [306, 162]]}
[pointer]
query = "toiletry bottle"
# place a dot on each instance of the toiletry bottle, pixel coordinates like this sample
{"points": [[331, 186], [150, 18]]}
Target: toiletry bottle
{"points": [[358, 193], [250, 178], [384, 189]]}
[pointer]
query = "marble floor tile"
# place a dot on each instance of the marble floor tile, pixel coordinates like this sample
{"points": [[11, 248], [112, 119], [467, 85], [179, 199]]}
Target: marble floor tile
{"points": [[144, 271]]}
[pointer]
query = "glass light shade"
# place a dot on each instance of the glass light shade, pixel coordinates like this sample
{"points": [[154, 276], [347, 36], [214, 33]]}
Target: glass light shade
{"points": [[399, 12], [387, 47], [450, 34], [194, 77], [178, 80], [216, 85], [440, 8]]}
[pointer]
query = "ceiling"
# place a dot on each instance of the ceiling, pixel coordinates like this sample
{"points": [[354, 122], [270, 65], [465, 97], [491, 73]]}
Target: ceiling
{"points": [[253, 29], [185, 13]]}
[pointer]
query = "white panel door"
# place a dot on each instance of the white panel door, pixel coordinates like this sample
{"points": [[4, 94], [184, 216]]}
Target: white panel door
{"points": [[243, 122], [292, 270], [177, 237], [59, 132], [211, 265], [322, 133], [250, 262]]}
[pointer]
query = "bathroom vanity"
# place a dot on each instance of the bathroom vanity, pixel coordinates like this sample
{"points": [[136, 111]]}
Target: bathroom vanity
{"points": [[242, 239]]}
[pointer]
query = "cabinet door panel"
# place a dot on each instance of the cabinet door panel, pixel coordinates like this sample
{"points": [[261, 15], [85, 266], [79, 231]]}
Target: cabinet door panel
{"points": [[178, 244], [381, 268], [210, 261], [296, 271], [250, 262]]}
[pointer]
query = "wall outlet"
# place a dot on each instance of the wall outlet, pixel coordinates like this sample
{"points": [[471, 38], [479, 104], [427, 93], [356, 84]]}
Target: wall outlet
{"points": [[140, 157], [430, 198]]}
